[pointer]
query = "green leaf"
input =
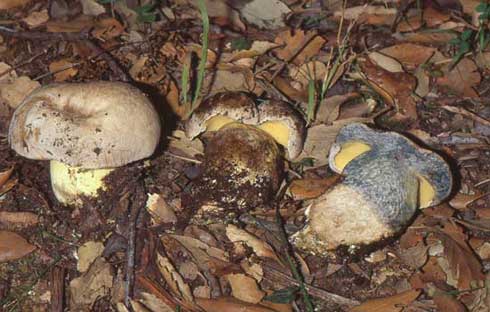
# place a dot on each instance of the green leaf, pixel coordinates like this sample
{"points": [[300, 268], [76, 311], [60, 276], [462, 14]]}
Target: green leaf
{"points": [[466, 35], [285, 295], [106, 1], [240, 44], [481, 7], [146, 13]]}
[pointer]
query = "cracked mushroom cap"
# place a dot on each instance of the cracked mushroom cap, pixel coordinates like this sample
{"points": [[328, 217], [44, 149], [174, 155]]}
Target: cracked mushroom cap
{"points": [[357, 142], [90, 125], [285, 124], [219, 110], [279, 119]]}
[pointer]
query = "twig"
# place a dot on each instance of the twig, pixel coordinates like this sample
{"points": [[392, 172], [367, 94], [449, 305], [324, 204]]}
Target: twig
{"points": [[278, 277], [192, 160], [135, 207], [57, 289], [467, 113]]}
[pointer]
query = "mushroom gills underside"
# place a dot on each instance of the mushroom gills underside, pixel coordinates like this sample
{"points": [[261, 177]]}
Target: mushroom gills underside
{"points": [[70, 183]]}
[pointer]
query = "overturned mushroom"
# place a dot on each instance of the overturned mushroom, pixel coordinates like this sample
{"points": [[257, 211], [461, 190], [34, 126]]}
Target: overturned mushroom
{"points": [[86, 130], [243, 164], [387, 177]]}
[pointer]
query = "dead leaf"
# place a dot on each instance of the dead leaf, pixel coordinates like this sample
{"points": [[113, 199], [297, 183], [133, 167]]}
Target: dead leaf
{"points": [[154, 304], [311, 188], [284, 85], [10, 4], [245, 288], [92, 7], [299, 45], [222, 13], [395, 88], [259, 246], [393, 303], [268, 14], [36, 18], [366, 10], [107, 28], [171, 93], [15, 91], [18, 218], [258, 48], [415, 256], [462, 201], [231, 78], [63, 70], [462, 79], [229, 304], [175, 281], [313, 70], [5, 175], [386, 62], [463, 264], [180, 144], [447, 303], [160, 211], [93, 284], [137, 67], [329, 108], [429, 37], [13, 246], [87, 253], [409, 54], [433, 17], [196, 49]]}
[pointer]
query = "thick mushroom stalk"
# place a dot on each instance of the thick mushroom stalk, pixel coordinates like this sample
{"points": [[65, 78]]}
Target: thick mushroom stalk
{"points": [[86, 129], [243, 163], [387, 177]]}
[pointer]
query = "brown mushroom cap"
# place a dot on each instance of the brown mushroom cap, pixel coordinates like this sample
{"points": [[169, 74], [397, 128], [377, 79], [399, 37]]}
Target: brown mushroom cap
{"points": [[235, 106], [90, 125], [277, 112]]}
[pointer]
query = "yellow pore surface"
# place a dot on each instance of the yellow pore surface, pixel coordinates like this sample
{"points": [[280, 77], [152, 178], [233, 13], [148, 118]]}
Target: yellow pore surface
{"points": [[70, 182], [426, 193], [277, 129], [348, 152]]}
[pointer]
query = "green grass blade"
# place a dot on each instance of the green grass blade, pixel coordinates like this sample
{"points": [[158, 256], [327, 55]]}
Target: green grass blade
{"points": [[204, 51]]}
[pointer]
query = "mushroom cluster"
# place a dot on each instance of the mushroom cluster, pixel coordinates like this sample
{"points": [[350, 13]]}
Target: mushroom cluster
{"points": [[85, 130], [386, 178], [243, 163]]}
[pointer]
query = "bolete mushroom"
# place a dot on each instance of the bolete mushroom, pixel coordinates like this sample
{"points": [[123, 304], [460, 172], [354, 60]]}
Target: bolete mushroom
{"points": [[243, 164], [85, 130], [386, 178]]}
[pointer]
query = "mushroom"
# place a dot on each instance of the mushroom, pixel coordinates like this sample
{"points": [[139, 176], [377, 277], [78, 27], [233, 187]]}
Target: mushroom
{"points": [[85, 130], [386, 178], [243, 164]]}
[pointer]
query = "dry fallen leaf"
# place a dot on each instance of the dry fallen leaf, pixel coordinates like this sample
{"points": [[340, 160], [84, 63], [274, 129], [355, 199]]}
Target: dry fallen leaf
{"points": [[154, 304], [357, 11], [13, 246], [386, 62], [63, 70], [18, 218], [462, 201], [463, 264], [87, 253], [462, 78], [93, 284], [36, 18], [229, 77], [409, 54], [393, 303], [13, 92], [180, 144], [229, 304], [313, 70], [245, 288], [329, 108], [92, 7], [258, 48], [447, 303], [10, 4], [309, 43], [268, 14], [259, 246], [174, 280], [311, 188], [160, 210]]}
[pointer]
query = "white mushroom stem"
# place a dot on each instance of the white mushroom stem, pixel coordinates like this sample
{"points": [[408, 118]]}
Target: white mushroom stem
{"points": [[71, 183]]}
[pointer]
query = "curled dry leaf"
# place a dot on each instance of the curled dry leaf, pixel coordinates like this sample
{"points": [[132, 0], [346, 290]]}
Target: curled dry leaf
{"points": [[329, 108], [14, 90], [175, 281], [63, 70], [462, 201], [258, 48], [5, 175], [229, 77], [447, 303], [92, 7], [245, 288], [395, 303], [386, 62], [18, 218], [259, 246], [13, 246], [313, 70], [268, 14], [298, 46], [311, 188], [154, 304], [229, 304]]}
